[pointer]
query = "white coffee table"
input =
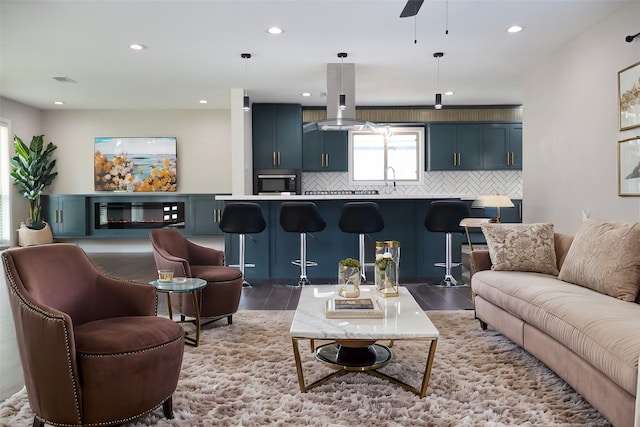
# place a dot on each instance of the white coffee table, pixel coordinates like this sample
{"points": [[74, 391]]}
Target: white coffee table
{"points": [[403, 320]]}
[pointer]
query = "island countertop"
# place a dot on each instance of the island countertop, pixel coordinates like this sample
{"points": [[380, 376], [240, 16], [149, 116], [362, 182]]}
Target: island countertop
{"points": [[381, 196]]}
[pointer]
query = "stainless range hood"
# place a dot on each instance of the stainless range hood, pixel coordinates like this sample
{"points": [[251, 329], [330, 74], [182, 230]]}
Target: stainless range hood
{"points": [[341, 78]]}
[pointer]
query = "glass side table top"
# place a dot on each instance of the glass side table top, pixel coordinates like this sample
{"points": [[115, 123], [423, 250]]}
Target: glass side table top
{"points": [[189, 284]]}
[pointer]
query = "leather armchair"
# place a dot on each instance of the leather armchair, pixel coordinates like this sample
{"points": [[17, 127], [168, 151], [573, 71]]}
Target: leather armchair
{"points": [[93, 351], [221, 297]]}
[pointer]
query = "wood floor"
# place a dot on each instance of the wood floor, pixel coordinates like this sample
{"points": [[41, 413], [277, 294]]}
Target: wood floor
{"points": [[276, 294]]}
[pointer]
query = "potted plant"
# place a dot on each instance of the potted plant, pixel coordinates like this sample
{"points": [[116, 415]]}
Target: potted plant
{"points": [[349, 278], [32, 170]]}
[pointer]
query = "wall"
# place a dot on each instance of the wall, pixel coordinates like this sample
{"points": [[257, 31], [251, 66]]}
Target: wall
{"points": [[204, 148], [570, 130], [25, 122]]}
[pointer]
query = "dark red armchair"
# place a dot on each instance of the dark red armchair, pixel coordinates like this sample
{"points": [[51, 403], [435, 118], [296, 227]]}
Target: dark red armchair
{"points": [[221, 297], [93, 351]]}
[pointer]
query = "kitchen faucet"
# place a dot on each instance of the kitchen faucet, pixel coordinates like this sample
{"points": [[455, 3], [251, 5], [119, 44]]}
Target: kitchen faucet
{"points": [[386, 176]]}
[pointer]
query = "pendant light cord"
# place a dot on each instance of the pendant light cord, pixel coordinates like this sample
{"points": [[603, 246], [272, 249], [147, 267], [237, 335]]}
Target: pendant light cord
{"points": [[446, 17]]}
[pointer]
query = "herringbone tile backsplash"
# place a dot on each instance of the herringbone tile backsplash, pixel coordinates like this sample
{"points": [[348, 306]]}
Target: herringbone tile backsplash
{"points": [[473, 183]]}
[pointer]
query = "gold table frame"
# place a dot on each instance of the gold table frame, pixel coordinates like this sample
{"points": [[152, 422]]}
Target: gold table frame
{"points": [[371, 370]]}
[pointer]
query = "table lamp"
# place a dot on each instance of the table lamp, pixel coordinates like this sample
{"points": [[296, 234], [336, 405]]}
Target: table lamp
{"points": [[493, 201]]}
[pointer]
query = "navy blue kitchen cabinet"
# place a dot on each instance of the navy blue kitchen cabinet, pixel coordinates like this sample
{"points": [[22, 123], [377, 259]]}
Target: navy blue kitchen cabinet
{"points": [[454, 147], [277, 136], [325, 151], [502, 144], [206, 212]]}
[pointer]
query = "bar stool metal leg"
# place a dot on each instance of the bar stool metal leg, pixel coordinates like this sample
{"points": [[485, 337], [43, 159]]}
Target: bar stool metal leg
{"points": [[363, 274]]}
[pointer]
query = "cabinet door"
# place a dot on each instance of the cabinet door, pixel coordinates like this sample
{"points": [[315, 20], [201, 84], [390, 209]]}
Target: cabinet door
{"points": [[496, 146], [206, 214], [289, 136], [442, 147], [264, 136], [469, 145], [66, 215], [515, 146], [313, 151], [336, 148]]}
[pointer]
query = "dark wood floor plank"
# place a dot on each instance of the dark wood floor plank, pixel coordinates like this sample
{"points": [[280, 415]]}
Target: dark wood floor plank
{"points": [[275, 294]]}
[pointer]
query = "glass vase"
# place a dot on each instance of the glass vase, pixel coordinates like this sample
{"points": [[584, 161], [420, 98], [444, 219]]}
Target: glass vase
{"points": [[348, 281], [387, 268]]}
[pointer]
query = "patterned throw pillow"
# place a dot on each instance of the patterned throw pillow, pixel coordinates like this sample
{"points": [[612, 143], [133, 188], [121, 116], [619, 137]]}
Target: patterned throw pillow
{"points": [[605, 257], [521, 247]]}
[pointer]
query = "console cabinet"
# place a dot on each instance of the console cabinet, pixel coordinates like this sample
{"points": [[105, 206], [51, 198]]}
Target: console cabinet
{"points": [[206, 213], [277, 136], [66, 215]]}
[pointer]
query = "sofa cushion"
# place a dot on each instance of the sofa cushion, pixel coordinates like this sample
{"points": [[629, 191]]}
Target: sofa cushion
{"points": [[593, 325], [605, 257], [521, 247]]}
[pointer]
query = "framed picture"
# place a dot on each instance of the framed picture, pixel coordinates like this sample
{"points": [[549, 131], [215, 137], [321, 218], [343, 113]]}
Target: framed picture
{"points": [[629, 167], [629, 96], [134, 164]]}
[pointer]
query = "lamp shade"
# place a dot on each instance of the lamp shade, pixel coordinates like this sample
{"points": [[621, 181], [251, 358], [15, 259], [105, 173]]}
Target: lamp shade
{"points": [[492, 201]]}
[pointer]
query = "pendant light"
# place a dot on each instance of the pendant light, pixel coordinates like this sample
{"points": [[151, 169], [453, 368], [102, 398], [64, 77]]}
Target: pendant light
{"points": [[438, 103], [246, 104], [342, 103]]}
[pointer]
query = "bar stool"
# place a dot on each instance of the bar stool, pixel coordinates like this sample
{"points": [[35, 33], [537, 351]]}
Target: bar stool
{"points": [[303, 218], [361, 218], [242, 218], [444, 216]]}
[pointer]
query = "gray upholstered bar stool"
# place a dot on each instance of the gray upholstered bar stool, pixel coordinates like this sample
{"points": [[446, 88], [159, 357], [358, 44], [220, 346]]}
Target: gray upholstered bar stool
{"points": [[242, 218], [361, 218], [444, 216], [303, 218]]}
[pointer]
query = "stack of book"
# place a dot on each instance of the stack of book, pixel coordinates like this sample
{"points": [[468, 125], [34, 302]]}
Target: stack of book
{"points": [[353, 308]]}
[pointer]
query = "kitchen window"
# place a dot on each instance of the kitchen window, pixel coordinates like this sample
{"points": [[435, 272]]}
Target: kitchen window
{"points": [[392, 153]]}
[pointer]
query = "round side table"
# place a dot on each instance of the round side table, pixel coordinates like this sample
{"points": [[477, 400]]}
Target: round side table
{"points": [[192, 285]]}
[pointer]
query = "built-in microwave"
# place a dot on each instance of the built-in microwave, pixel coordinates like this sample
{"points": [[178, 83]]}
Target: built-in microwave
{"points": [[277, 181]]}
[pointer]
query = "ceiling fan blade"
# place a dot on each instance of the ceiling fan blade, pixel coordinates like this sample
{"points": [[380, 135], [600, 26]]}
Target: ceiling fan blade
{"points": [[411, 8]]}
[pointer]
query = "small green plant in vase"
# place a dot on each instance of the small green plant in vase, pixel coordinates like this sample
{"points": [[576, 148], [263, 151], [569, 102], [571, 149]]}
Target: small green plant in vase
{"points": [[349, 278]]}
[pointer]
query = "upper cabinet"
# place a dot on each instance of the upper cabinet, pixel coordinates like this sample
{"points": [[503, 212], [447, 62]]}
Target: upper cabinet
{"points": [[503, 146], [474, 146], [277, 136], [325, 151], [454, 147]]}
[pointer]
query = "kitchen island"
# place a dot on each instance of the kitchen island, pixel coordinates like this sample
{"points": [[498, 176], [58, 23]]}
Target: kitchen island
{"points": [[273, 250]]}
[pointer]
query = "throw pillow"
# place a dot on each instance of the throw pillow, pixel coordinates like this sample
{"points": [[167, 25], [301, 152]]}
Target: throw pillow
{"points": [[605, 257], [521, 247]]}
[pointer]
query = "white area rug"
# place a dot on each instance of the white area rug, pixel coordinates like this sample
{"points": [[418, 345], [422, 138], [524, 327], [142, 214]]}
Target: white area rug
{"points": [[245, 375]]}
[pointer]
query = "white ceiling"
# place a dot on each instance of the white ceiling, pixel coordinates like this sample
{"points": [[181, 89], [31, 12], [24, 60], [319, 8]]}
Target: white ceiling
{"points": [[194, 50]]}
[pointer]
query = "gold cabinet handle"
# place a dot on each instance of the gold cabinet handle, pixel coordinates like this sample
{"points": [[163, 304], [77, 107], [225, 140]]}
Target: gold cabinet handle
{"points": [[278, 158], [322, 159], [459, 158], [454, 159], [60, 217], [327, 162], [274, 159], [56, 216]]}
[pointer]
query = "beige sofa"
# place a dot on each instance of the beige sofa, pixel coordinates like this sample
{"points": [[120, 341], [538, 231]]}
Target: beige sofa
{"points": [[588, 338]]}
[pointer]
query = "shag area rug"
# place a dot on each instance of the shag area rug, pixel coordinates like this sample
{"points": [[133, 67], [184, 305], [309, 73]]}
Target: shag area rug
{"points": [[245, 375]]}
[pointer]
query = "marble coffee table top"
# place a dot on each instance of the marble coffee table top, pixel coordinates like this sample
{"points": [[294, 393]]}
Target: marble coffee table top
{"points": [[403, 319]]}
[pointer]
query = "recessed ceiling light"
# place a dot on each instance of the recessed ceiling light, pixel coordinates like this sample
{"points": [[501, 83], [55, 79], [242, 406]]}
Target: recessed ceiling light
{"points": [[306, 94], [514, 29], [58, 102], [203, 101], [449, 93], [136, 46], [275, 30]]}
